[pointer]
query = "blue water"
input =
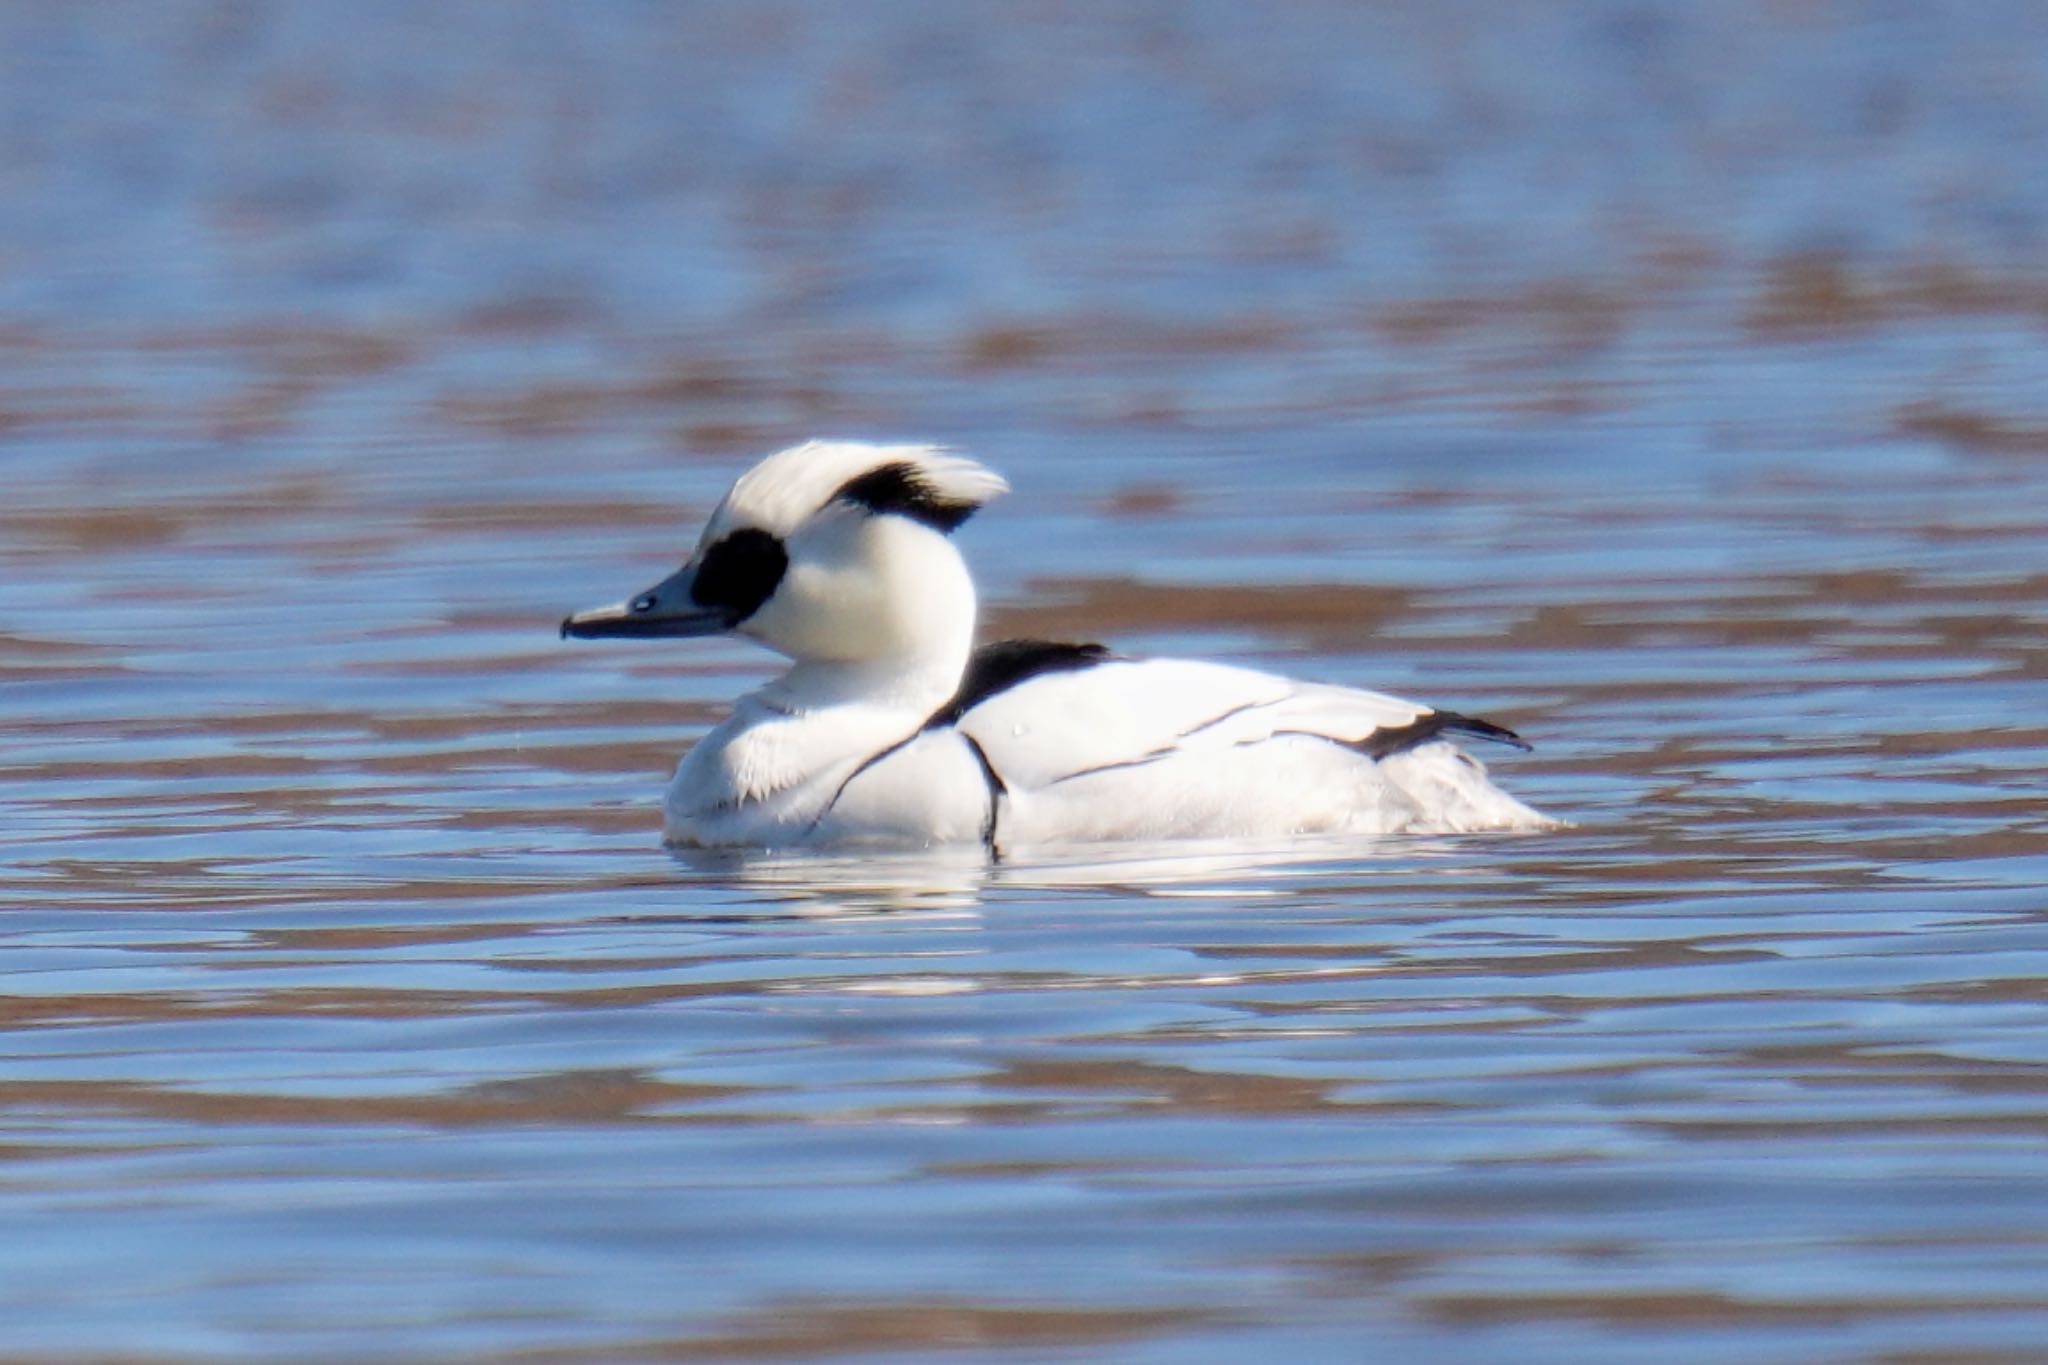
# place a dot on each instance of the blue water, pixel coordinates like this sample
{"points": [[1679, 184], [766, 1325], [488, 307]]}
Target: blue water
{"points": [[1663, 380]]}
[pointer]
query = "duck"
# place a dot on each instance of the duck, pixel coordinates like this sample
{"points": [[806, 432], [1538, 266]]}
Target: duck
{"points": [[892, 728]]}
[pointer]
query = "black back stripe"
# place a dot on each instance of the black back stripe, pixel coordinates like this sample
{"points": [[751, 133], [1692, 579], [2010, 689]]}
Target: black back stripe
{"points": [[1000, 666], [991, 669], [901, 487]]}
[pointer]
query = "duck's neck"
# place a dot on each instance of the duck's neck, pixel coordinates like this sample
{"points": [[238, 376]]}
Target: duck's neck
{"points": [[916, 685], [879, 614]]}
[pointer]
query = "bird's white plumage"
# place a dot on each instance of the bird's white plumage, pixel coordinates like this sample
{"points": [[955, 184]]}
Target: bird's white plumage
{"points": [[866, 741], [788, 488], [1056, 726]]}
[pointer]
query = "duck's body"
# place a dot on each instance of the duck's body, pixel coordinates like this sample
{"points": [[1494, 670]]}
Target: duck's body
{"points": [[889, 729], [1085, 747]]}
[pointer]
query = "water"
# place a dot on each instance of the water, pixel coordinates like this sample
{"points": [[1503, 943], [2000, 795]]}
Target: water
{"points": [[1662, 380]]}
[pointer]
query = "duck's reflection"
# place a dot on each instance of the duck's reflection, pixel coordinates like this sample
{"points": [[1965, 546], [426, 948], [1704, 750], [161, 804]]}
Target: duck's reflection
{"points": [[952, 878]]}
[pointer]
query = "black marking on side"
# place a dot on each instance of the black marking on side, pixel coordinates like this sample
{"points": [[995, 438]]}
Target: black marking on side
{"points": [[997, 789], [993, 668], [1170, 750], [1399, 739], [901, 487], [870, 761], [1000, 666], [739, 573], [1141, 761], [1215, 721], [1382, 743]]}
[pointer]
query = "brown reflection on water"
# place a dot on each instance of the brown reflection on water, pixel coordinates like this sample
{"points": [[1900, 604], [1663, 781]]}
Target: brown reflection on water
{"points": [[1820, 293], [320, 832], [609, 1098], [1095, 340], [1627, 1309], [825, 1331], [1321, 615], [1973, 431], [1153, 1089]]}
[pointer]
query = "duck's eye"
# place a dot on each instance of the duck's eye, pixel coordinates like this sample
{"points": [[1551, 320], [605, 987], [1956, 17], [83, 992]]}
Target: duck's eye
{"points": [[739, 573], [644, 602]]}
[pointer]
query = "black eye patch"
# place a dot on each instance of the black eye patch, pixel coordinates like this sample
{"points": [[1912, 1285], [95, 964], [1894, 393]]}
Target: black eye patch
{"points": [[901, 489], [739, 573]]}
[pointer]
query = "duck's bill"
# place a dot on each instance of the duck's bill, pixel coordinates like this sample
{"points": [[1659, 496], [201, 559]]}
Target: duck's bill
{"points": [[664, 611]]}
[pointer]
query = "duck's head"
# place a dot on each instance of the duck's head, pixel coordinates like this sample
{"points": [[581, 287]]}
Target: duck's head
{"points": [[832, 551]]}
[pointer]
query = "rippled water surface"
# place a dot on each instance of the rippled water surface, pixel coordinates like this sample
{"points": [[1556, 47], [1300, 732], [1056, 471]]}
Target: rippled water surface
{"points": [[1664, 380]]}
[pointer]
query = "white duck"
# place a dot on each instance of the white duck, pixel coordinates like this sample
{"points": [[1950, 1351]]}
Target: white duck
{"points": [[891, 728]]}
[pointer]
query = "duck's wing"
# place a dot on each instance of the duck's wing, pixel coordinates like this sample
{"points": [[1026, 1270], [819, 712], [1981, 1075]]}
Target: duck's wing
{"points": [[1109, 713]]}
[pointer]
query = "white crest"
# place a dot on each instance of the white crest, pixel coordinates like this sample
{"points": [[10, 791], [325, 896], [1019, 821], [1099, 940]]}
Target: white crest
{"points": [[928, 483]]}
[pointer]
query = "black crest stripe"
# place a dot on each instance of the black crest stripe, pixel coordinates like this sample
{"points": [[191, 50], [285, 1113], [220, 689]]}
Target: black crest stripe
{"points": [[902, 488]]}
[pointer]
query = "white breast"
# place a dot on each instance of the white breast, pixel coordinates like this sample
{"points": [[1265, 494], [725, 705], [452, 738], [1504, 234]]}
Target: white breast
{"points": [[848, 774]]}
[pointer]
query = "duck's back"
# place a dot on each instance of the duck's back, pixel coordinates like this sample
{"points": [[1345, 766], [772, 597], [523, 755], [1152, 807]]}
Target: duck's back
{"points": [[1169, 748]]}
